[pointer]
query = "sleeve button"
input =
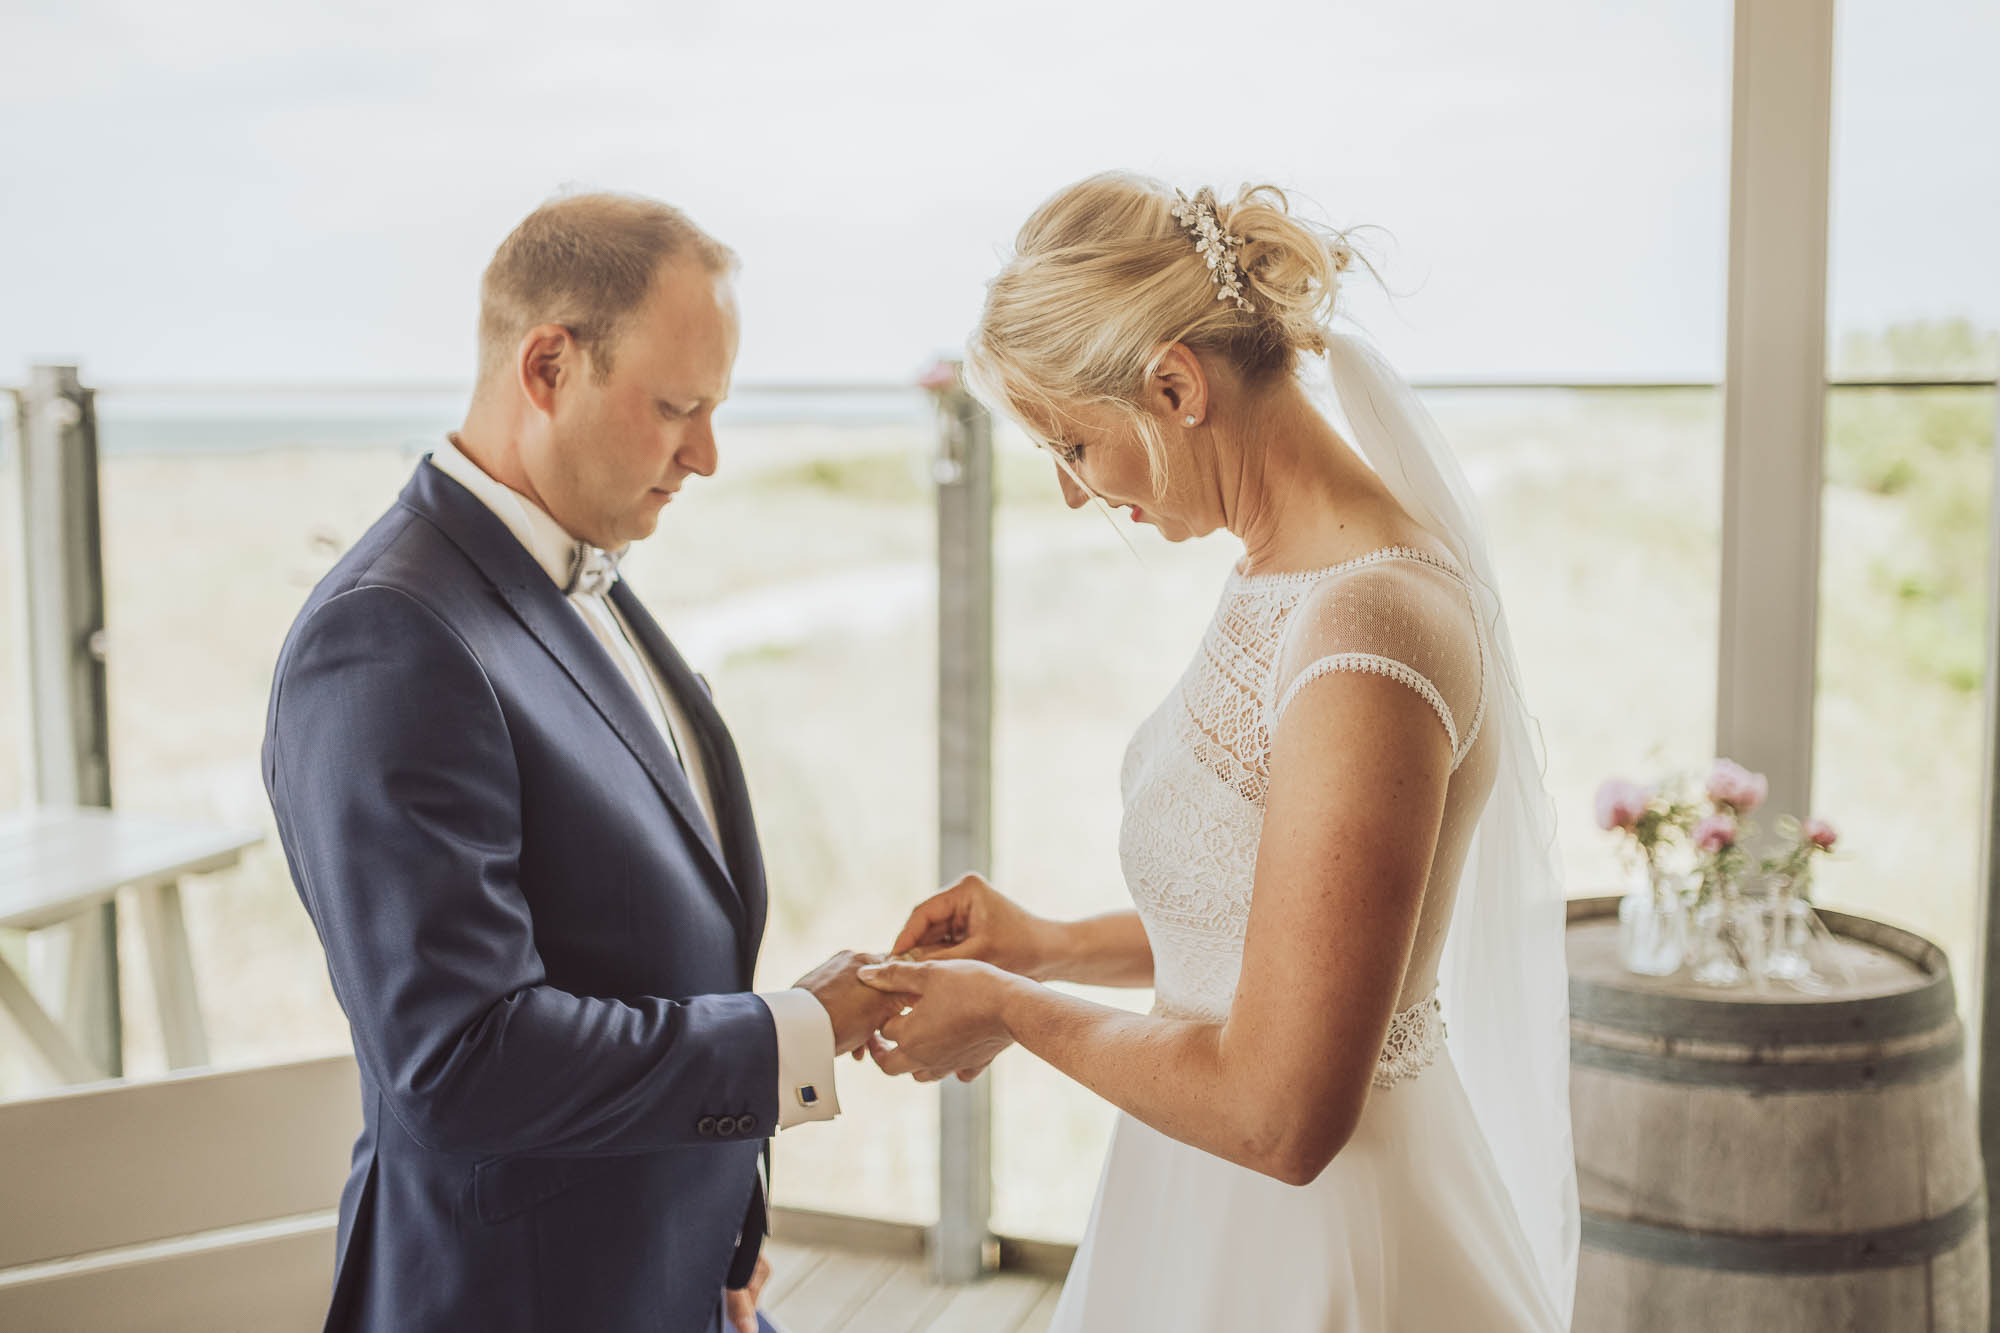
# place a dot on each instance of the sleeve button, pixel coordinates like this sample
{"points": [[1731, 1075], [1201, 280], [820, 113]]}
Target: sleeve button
{"points": [[706, 1126]]}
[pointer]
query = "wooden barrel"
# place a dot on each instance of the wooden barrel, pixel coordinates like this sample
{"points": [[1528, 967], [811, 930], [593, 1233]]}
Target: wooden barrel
{"points": [[1759, 1158]]}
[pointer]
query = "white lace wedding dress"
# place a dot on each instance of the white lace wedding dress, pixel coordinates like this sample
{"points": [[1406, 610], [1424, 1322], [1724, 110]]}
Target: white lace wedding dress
{"points": [[1410, 1229]]}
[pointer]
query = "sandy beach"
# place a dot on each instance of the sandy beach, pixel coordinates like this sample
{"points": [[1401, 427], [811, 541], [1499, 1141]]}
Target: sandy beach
{"points": [[800, 580]]}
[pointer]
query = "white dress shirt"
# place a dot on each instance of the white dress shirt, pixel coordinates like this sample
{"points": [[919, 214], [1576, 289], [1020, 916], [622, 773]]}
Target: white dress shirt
{"points": [[805, 1031]]}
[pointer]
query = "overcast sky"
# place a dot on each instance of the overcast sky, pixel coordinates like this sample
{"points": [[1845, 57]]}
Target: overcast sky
{"points": [[220, 190]]}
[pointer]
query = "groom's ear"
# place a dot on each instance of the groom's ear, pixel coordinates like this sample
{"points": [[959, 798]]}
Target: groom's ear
{"points": [[547, 354]]}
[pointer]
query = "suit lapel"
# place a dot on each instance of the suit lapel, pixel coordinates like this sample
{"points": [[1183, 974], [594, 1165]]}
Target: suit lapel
{"points": [[540, 606]]}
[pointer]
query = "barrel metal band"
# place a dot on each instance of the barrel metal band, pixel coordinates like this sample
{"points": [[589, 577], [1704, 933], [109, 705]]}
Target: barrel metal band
{"points": [[1738, 1252], [1929, 1006], [1774, 1075]]}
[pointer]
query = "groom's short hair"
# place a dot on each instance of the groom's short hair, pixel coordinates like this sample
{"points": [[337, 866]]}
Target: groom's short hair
{"points": [[585, 261]]}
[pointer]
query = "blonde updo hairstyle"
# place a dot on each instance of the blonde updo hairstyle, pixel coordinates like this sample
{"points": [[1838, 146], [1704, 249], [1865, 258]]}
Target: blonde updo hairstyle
{"points": [[1104, 277]]}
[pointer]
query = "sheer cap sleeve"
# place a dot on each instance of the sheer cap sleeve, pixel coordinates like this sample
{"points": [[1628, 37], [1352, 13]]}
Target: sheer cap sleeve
{"points": [[1409, 620]]}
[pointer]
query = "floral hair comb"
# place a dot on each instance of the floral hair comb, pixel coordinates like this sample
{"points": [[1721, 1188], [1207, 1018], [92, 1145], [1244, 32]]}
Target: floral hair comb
{"points": [[1215, 245]]}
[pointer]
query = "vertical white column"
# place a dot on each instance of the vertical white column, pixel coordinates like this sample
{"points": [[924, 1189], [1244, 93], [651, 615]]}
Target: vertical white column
{"points": [[1775, 391]]}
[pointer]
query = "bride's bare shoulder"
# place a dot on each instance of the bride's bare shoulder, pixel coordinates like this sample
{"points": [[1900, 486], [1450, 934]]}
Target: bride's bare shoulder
{"points": [[1418, 611]]}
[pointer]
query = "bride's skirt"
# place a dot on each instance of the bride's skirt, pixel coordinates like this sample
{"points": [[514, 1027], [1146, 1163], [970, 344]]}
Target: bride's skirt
{"points": [[1407, 1231]]}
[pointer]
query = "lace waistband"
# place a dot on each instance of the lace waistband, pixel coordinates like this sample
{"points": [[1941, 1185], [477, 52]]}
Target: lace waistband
{"points": [[1416, 1035]]}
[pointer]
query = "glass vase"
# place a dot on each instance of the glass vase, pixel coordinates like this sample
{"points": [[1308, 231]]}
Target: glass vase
{"points": [[1790, 922], [1728, 938], [1653, 926]]}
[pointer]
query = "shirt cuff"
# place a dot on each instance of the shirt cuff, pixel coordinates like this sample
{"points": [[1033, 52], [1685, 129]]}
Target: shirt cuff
{"points": [[805, 1057]]}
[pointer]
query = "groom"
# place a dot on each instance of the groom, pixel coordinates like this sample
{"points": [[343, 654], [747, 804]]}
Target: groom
{"points": [[521, 831]]}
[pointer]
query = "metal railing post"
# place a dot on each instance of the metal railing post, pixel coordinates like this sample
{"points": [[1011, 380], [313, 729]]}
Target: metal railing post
{"points": [[962, 1246], [62, 605], [1985, 1004]]}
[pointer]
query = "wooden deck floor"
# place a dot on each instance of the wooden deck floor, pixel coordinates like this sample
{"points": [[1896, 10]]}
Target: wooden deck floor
{"points": [[820, 1289]]}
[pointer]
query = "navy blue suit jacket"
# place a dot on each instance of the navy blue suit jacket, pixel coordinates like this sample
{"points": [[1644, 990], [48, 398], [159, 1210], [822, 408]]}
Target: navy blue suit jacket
{"points": [[542, 950]]}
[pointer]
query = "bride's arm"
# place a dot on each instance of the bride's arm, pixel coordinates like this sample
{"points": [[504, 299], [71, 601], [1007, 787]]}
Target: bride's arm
{"points": [[972, 919], [1359, 767], [1107, 950]]}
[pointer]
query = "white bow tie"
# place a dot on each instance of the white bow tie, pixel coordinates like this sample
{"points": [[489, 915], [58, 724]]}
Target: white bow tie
{"points": [[592, 569]]}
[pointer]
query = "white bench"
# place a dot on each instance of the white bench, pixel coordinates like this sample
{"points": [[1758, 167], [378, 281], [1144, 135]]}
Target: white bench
{"points": [[191, 1203], [59, 862]]}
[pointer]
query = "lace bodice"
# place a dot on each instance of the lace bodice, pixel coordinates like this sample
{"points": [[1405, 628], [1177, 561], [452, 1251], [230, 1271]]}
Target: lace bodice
{"points": [[1195, 774]]}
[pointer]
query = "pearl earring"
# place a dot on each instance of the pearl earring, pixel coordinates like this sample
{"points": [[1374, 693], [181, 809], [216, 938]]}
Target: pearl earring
{"points": [[1188, 420]]}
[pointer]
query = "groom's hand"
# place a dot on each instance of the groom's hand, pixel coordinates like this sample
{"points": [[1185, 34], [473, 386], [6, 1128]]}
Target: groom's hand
{"points": [[856, 1009], [743, 1304]]}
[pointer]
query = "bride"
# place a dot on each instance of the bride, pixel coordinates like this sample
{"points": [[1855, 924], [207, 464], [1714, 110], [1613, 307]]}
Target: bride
{"points": [[1348, 1107]]}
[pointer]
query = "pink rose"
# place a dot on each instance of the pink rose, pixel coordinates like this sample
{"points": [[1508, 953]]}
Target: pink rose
{"points": [[939, 375], [1820, 834], [1620, 803], [1737, 787], [1715, 832]]}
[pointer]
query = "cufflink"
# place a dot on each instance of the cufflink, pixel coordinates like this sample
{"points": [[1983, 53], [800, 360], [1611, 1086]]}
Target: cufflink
{"points": [[808, 1095]]}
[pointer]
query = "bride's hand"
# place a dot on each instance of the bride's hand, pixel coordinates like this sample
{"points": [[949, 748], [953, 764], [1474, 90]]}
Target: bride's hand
{"points": [[972, 919], [955, 1023]]}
